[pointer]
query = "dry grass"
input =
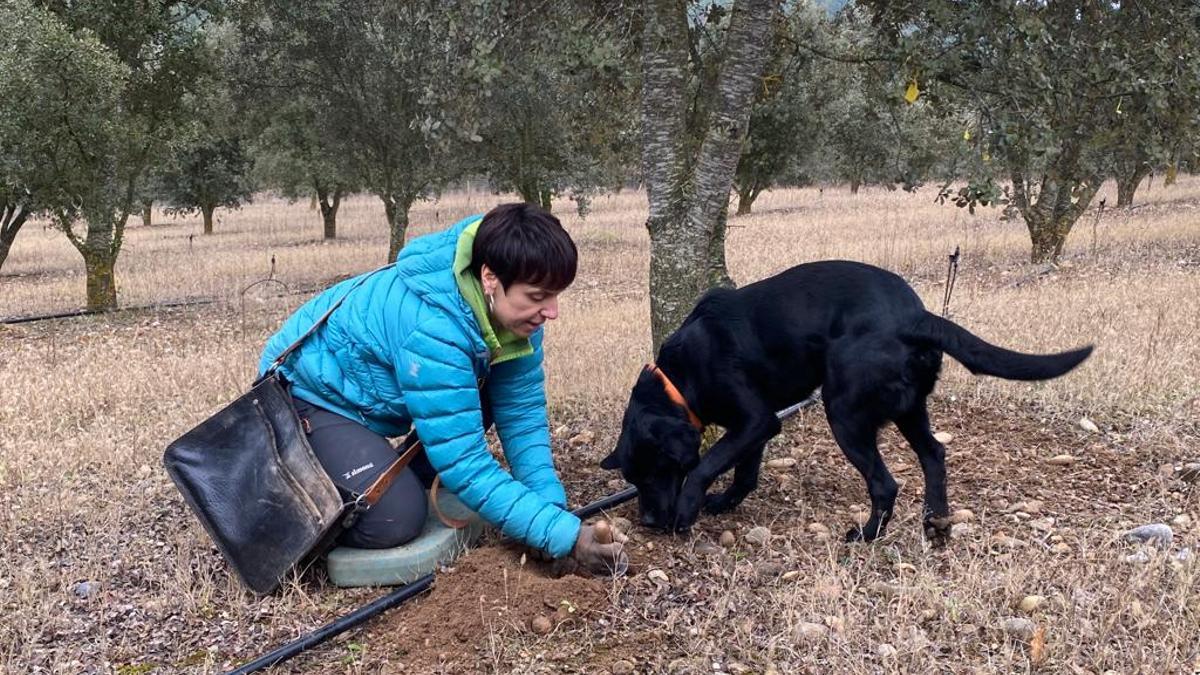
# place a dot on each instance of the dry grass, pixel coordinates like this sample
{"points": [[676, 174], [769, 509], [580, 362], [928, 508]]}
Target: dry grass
{"points": [[89, 404]]}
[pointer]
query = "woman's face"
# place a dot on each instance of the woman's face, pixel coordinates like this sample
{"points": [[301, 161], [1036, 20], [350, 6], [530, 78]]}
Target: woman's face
{"points": [[521, 307]]}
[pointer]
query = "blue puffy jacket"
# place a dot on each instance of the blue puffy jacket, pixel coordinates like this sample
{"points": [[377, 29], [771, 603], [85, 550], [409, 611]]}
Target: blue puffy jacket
{"points": [[406, 349]]}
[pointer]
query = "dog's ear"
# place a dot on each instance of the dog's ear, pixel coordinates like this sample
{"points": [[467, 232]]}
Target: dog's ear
{"points": [[678, 440]]}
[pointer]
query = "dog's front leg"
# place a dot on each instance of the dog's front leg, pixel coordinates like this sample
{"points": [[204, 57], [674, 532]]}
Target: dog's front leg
{"points": [[745, 480], [741, 447]]}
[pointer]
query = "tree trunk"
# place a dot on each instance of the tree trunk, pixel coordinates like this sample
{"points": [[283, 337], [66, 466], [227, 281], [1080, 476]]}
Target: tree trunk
{"points": [[208, 218], [746, 197], [1127, 184], [1052, 212], [855, 184], [689, 196], [396, 206], [546, 200], [12, 218], [99, 250], [329, 208], [101, 282], [1172, 173], [147, 214]]}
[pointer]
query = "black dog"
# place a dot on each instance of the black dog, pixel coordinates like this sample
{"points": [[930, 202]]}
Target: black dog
{"points": [[857, 331]]}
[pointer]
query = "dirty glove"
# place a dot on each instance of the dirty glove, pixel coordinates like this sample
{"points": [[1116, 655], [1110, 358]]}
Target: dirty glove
{"points": [[600, 550]]}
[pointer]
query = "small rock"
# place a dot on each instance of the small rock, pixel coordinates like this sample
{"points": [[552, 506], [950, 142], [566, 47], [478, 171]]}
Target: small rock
{"points": [[962, 516], [1042, 524], [1166, 470], [943, 437], [1088, 425], [1138, 557], [582, 438], [1190, 472], [781, 463], [812, 631], [1019, 627], [768, 570], [771, 670], [616, 484], [708, 548], [906, 568], [889, 590], [1060, 548], [818, 528], [962, 530], [1061, 460], [738, 668], [885, 650], [541, 625], [144, 471], [658, 576], [727, 539], [622, 525], [759, 536], [836, 624], [1031, 506], [84, 589], [1002, 540], [1184, 554], [1183, 521], [1030, 603], [790, 575], [1159, 534], [622, 667]]}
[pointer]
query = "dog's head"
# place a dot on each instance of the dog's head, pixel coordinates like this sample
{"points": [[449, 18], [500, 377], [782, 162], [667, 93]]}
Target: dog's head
{"points": [[657, 448]]}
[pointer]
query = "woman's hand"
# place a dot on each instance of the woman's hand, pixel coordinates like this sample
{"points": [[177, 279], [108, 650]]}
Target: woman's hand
{"points": [[601, 550]]}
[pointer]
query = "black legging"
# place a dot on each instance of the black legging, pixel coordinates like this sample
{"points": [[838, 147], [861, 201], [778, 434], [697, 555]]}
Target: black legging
{"points": [[354, 456]]}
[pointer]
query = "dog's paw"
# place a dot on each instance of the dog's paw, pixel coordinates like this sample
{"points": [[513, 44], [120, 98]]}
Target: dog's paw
{"points": [[855, 535], [937, 531], [718, 503]]}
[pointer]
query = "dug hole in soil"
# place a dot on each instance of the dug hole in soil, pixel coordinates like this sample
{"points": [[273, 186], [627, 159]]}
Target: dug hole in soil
{"points": [[487, 592]]}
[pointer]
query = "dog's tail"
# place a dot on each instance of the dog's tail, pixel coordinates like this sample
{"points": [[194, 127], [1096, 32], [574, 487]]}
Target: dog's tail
{"points": [[983, 358]]}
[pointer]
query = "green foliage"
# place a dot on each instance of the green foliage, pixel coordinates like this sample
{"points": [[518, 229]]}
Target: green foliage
{"points": [[61, 125], [211, 174], [557, 115], [1057, 90]]}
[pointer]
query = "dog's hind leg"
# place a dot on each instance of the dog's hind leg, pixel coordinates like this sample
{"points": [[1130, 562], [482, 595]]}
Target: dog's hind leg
{"points": [[855, 435], [914, 425]]}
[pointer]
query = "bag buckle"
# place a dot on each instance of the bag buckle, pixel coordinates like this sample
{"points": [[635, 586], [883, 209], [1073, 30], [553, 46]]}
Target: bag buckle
{"points": [[360, 503]]}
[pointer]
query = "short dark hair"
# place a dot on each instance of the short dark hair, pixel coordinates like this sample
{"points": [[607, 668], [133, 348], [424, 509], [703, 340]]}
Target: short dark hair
{"points": [[523, 243]]}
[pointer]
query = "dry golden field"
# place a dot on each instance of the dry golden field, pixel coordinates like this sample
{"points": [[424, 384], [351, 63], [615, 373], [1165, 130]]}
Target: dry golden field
{"points": [[88, 404]]}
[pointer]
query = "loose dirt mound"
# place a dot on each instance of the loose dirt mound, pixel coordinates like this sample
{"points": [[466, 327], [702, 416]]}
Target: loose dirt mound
{"points": [[487, 594]]}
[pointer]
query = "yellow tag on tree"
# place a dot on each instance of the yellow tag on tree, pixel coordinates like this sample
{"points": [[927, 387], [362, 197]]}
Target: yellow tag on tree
{"points": [[966, 134], [912, 92]]}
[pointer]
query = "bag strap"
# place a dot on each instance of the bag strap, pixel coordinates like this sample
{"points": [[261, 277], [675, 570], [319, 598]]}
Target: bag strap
{"points": [[372, 494], [381, 484], [296, 345]]}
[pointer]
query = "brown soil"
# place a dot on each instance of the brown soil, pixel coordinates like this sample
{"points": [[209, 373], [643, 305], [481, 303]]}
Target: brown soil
{"points": [[488, 595]]}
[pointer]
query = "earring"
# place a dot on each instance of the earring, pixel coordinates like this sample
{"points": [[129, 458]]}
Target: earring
{"points": [[491, 302]]}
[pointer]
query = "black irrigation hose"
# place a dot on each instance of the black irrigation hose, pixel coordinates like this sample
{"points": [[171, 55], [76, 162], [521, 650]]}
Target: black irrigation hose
{"points": [[393, 599], [90, 312]]}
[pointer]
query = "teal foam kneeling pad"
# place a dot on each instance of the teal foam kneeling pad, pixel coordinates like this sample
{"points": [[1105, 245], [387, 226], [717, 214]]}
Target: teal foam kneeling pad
{"points": [[437, 545]]}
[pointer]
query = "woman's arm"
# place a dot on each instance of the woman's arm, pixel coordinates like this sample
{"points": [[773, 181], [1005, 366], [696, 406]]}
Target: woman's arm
{"points": [[518, 399], [442, 395]]}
